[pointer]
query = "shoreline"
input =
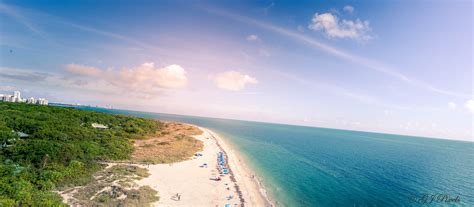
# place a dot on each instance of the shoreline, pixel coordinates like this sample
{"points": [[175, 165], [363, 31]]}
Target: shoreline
{"points": [[194, 179], [236, 162], [199, 180]]}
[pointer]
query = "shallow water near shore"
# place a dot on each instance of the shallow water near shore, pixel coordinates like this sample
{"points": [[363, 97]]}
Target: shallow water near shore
{"points": [[308, 166]]}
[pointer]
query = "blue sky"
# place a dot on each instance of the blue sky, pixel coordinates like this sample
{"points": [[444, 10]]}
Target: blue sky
{"points": [[395, 66]]}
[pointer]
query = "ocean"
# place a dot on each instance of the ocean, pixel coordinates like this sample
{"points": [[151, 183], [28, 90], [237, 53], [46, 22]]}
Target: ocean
{"points": [[309, 166]]}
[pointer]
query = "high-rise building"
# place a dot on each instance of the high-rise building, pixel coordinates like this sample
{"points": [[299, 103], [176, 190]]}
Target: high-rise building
{"points": [[42, 101], [31, 100], [17, 96], [8, 98]]}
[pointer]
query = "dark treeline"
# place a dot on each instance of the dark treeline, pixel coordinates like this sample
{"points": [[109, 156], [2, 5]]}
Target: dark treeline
{"points": [[62, 149]]}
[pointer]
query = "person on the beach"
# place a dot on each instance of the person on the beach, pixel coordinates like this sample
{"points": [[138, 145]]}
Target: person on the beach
{"points": [[176, 196]]}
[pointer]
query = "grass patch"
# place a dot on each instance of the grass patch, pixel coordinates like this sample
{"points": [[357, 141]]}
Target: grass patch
{"points": [[177, 144]]}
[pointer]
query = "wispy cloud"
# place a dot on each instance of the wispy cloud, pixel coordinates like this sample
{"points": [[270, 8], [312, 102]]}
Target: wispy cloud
{"points": [[339, 53], [113, 35], [30, 78], [339, 91], [22, 16], [22, 75], [15, 14], [267, 8], [83, 70], [7, 88]]}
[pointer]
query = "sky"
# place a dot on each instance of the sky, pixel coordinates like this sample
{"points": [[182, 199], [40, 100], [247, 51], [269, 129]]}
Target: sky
{"points": [[402, 67]]}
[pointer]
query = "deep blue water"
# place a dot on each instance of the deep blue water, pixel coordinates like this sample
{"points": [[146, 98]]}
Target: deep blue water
{"points": [[308, 166]]}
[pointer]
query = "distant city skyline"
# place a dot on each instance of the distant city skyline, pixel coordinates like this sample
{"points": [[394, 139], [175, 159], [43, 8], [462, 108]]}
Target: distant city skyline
{"points": [[392, 67], [16, 98]]}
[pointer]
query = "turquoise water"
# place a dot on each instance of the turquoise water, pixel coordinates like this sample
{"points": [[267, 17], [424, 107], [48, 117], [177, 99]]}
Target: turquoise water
{"points": [[307, 166]]}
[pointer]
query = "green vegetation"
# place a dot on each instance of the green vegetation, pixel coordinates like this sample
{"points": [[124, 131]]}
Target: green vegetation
{"points": [[114, 186], [61, 151]]}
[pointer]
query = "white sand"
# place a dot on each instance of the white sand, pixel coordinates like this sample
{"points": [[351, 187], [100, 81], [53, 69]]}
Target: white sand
{"points": [[194, 185]]}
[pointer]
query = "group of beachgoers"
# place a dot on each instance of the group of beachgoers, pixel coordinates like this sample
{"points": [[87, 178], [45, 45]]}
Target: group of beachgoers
{"points": [[223, 170], [221, 164]]}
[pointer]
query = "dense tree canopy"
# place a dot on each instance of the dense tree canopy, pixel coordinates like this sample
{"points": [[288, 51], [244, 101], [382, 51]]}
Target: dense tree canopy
{"points": [[62, 149]]}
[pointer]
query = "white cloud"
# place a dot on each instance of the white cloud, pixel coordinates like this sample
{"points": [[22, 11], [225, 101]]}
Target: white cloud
{"points": [[252, 38], [349, 9], [335, 28], [233, 81], [470, 105], [452, 105], [172, 76], [145, 78]]}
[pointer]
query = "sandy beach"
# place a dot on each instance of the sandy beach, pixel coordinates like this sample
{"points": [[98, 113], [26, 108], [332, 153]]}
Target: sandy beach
{"points": [[192, 180]]}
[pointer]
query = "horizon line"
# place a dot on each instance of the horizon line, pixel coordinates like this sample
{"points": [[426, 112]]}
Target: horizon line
{"points": [[270, 122]]}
